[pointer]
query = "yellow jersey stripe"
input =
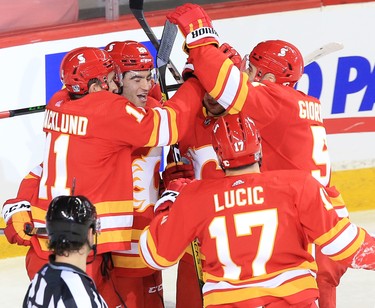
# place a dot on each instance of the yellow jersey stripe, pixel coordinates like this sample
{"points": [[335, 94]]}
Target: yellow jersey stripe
{"points": [[173, 125], [114, 207], [286, 289], [241, 99], [154, 134], [353, 247], [326, 237], [219, 85]]}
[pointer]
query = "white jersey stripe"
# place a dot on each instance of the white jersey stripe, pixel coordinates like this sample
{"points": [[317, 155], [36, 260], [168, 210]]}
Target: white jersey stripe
{"points": [[164, 136], [79, 293], [132, 251], [40, 295], [146, 253], [342, 241], [231, 88], [343, 212], [113, 222]]}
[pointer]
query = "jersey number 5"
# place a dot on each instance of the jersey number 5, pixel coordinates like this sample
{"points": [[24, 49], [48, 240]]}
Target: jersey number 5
{"points": [[320, 155]]}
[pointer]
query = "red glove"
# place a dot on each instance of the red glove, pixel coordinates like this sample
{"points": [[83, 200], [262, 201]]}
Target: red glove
{"points": [[155, 91], [182, 169], [232, 54], [195, 25], [17, 215], [170, 194]]}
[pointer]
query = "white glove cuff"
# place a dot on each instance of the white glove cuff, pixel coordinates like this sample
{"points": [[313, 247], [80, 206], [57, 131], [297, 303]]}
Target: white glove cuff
{"points": [[201, 33], [11, 208], [167, 195], [188, 66]]}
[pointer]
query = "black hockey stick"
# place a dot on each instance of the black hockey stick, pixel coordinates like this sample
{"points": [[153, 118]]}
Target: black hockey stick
{"points": [[164, 50], [22, 111], [167, 40], [29, 230], [136, 6], [162, 58], [166, 44]]}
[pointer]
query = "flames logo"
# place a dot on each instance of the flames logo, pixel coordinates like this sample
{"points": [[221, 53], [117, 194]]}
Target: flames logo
{"points": [[145, 187]]}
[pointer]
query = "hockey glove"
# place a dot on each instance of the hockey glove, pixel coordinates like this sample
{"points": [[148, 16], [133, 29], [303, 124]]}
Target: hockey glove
{"points": [[170, 194], [182, 169], [17, 216], [232, 54], [195, 25], [155, 91]]}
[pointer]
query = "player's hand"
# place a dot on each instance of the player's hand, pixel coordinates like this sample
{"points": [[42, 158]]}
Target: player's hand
{"points": [[17, 216], [155, 91], [170, 194], [195, 25], [188, 71], [232, 54], [182, 169]]}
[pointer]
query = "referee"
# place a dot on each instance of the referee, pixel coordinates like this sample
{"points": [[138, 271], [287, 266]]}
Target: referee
{"points": [[71, 226]]}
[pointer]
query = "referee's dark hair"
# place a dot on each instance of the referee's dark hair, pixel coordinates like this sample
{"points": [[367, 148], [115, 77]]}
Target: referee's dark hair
{"points": [[68, 220]]}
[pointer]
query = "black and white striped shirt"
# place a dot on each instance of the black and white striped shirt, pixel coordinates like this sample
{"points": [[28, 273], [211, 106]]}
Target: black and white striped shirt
{"points": [[62, 285]]}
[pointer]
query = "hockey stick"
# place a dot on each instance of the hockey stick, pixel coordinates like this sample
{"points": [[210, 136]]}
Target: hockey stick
{"points": [[162, 58], [22, 111], [164, 50], [29, 230], [136, 6], [322, 51], [198, 264]]}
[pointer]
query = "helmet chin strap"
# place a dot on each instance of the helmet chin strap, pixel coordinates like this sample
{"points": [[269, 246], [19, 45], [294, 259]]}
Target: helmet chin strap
{"points": [[93, 248], [120, 90]]}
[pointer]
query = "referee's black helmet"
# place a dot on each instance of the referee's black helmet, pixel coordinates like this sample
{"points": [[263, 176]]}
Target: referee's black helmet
{"points": [[69, 218]]}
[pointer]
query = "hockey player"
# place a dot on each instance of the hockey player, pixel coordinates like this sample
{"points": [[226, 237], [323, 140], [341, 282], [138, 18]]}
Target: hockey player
{"points": [[99, 124], [196, 148], [253, 228], [17, 211], [71, 227], [139, 285], [286, 118], [199, 161], [130, 56]]}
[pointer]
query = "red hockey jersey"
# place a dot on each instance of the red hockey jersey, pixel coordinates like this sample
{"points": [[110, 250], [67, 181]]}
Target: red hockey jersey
{"points": [[197, 144], [88, 152], [289, 121], [146, 181], [254, 231]]}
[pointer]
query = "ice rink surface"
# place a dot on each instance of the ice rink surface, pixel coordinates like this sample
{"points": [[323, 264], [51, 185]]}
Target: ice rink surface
{"points": [[356, 290]]}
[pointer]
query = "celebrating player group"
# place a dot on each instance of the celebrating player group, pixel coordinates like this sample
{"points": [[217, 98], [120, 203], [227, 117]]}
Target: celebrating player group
{"points": [[250, 185]]}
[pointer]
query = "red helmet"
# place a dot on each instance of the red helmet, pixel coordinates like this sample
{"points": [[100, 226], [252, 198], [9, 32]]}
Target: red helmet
{"points": [[280, 58], [81, 65], [236, 141], [130, 56]]}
